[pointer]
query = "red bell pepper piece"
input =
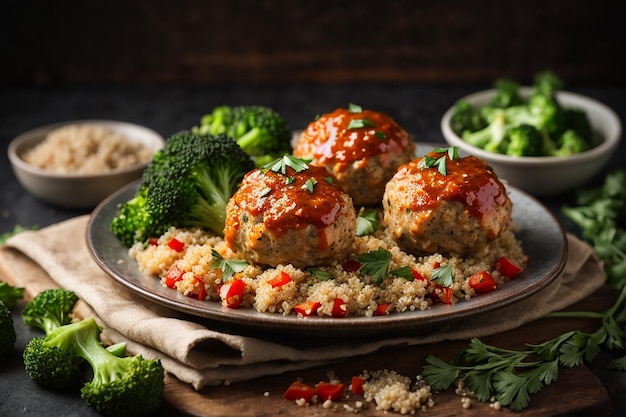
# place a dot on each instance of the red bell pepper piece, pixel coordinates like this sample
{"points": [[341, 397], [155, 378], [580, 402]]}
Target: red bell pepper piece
{"points": [[201, 290], [176, 245], [482, 282], [351, 266], [330, 391], [297, 390], [507, 268], [231, 293], [282, 279], [382, 309], [153, 241], [173, 275], [357, 385], [340, 309], [417, 276], [307, 308], [444, 294]]}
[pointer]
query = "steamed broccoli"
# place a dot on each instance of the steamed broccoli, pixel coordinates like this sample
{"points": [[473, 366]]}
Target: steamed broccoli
{"points": [[7, 332], [128, 386], [556, 131], [10, 295], [525, 140], [187, 184], [260, 131], [50, 309]]}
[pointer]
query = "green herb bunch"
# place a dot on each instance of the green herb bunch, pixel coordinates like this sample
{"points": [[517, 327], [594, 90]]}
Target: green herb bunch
{"points": [[512, 376]]}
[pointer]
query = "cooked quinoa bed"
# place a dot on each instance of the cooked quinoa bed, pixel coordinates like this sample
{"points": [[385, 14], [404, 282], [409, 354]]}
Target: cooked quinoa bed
{"points": [[361, 295]]}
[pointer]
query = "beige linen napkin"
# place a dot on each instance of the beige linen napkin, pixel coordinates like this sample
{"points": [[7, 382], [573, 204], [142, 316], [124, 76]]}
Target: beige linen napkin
{"points": [[201, 356]]}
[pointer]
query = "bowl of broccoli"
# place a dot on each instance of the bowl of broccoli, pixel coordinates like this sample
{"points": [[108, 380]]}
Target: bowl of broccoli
{"points": [[539, 138]]}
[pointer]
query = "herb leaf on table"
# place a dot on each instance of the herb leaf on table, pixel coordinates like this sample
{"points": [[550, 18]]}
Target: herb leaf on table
{"points": [[512, 376]]}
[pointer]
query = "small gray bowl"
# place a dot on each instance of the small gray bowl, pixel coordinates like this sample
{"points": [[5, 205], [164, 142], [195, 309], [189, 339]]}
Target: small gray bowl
{"points": [[548, 175], [78, 191]]}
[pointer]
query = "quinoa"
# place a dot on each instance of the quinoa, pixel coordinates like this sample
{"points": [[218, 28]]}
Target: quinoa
{"points": [[361, 295], [86, 149], [391, 391]]}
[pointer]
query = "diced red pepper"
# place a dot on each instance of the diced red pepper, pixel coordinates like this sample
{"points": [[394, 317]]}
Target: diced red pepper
{"points": [[231, 293], [436, 265], [176, 244], [382, 309], [282, 279], [201, 295], [153, 241], [340, 309], [330, 391], [173, 275], [482, 282], [417, 276], [298, 390], [444, 294], [307, 308], [357, 385], [507, 268], [351, 266]]}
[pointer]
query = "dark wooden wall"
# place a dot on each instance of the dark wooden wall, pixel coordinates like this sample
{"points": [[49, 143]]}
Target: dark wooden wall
{"points": [[307, 41]]}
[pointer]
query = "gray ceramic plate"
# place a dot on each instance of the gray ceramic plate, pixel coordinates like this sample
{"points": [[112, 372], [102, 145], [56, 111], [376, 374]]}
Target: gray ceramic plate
{"points": [[542, 238]]}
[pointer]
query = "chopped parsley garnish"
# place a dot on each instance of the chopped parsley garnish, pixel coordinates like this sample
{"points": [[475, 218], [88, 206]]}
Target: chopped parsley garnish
{"points": [[380, 135], [360, 123], [375, 263], [355, 108], [403, 272], [310, 184], [281, 164], [367, 222], [428, 161], [443, 275], [319, 273], [329, 180], [229, 267]]}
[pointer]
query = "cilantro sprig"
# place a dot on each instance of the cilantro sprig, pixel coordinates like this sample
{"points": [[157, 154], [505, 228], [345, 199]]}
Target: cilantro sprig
{"points": [[229, 267], [429, 161], [281, 164]]}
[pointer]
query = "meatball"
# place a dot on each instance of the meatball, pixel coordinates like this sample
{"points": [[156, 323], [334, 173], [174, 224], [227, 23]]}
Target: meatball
{"points": [[458, 213], [300, 218], [362, 148]]}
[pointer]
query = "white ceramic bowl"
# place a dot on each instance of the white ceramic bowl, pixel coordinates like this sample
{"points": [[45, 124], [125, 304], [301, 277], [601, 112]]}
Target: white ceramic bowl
{"points": [[78, 191], [547, 175]]}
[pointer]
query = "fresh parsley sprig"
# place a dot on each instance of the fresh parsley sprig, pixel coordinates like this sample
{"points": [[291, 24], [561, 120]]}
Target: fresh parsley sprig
{"points": [[281, 164], [429, 161], [229, 267], [375, 263]]}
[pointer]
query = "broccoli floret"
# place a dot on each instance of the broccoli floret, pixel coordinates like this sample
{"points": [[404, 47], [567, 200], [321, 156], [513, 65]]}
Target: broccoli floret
{"points": [[525, 140], [50, 309], [128, 386], [466, 118], [10, 295], [506, 94], [260, 131], [546, 83], [187, 184], [570, 143], [493, 137], [7, 332], [578, 121]]}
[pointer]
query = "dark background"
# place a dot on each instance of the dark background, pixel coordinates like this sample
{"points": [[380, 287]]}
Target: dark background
{"points": [[244, 42]]}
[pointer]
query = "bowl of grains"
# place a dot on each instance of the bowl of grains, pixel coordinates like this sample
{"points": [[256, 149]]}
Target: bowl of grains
{"points": [[77, 164]]}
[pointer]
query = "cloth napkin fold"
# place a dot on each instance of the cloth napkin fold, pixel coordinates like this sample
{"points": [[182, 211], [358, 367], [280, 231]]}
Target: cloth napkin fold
{"points": [[57, 256]]}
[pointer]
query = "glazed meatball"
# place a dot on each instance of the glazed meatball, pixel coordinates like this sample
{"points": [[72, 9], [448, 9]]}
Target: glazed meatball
{"points": [[362, 148], [300, 218], [458, 213]]}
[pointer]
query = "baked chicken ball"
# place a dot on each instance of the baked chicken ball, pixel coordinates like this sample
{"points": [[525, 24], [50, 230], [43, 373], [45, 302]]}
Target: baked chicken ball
{"points": [[362, 148], [292, 216], [456, 213]]}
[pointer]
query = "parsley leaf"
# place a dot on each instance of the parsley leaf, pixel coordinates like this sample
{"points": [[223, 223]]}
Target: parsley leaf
{"points": [[281, 164], [355, 108], [443, 275], [360, 123], [367, 222], [319, 274], [403, 272], [310, 184], [229, 267], [375, 263], [429, 161]]}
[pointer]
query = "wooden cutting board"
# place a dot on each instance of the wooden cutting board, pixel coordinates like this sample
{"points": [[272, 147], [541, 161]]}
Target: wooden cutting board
{"points": [[576, 392]]}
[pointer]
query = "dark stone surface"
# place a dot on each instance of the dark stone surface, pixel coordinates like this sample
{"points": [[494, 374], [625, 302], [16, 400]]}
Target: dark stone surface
{"points": [[416, 107]]}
